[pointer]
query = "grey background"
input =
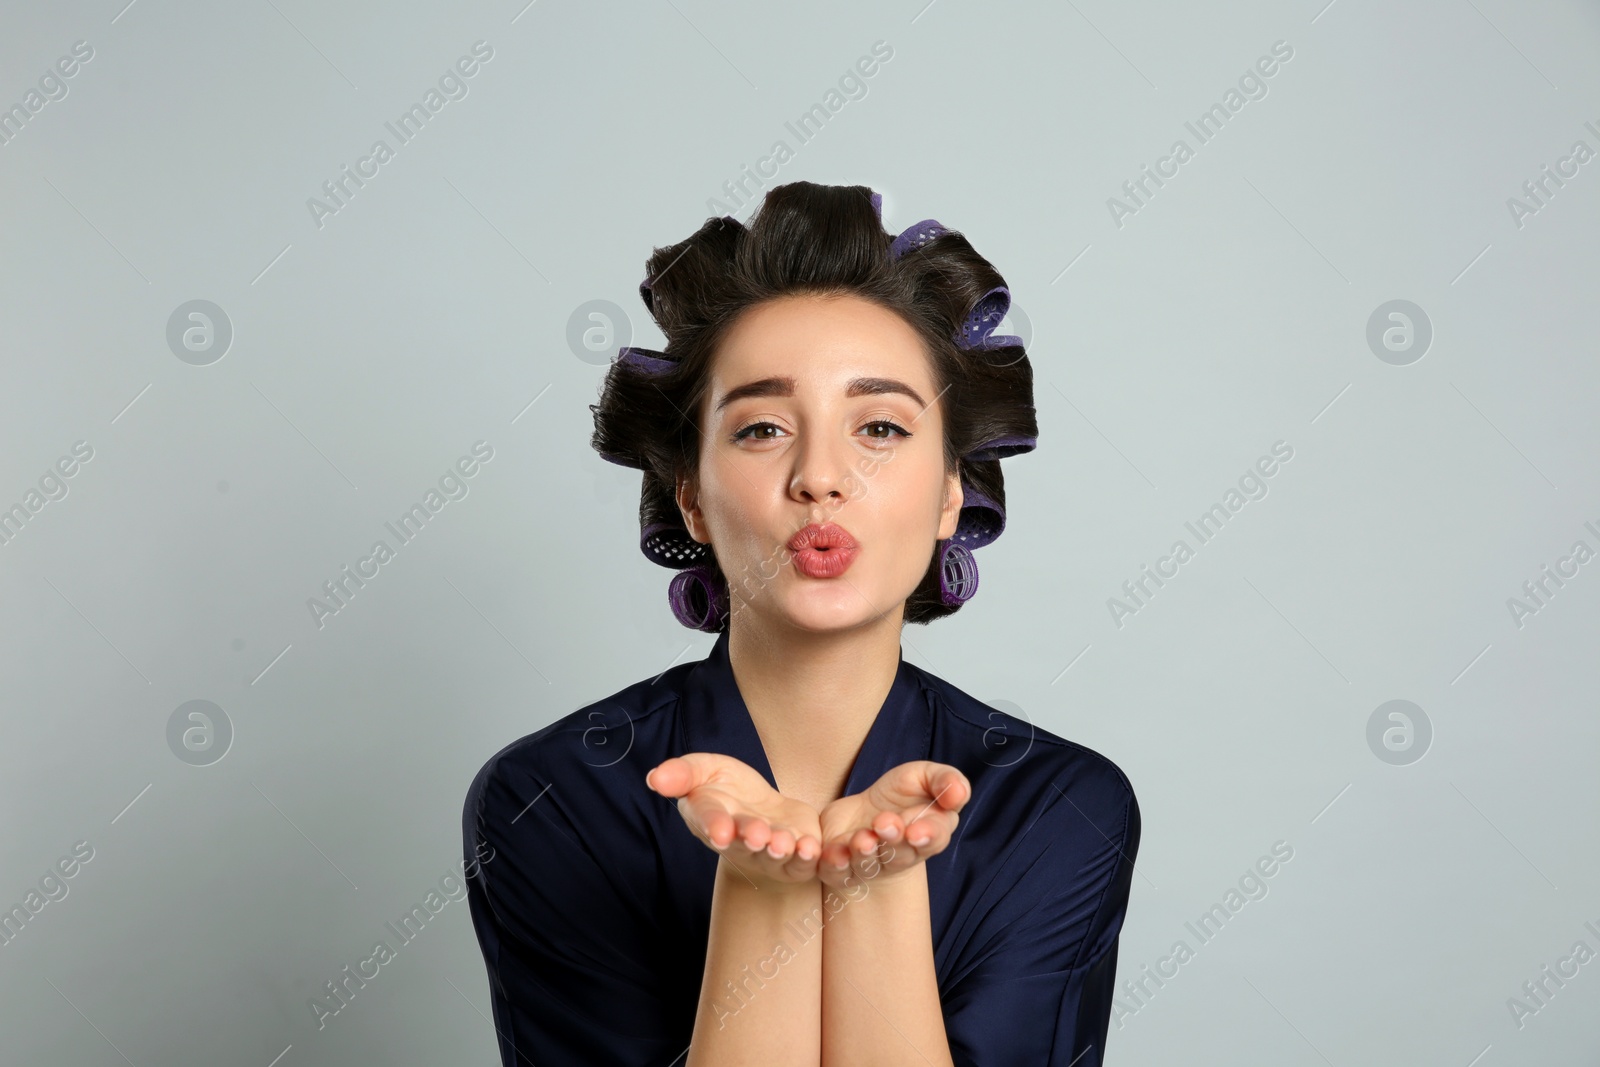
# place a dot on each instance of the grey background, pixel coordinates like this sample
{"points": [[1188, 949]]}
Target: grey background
{"points": [[431, 312]]}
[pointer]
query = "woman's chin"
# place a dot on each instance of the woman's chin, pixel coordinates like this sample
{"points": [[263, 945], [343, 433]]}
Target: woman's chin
{"points": [[822, 607]]}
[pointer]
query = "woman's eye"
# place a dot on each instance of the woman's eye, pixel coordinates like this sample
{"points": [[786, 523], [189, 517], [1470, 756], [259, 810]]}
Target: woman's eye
{"points": [[751, 431], [757, 431], [889, 425]]}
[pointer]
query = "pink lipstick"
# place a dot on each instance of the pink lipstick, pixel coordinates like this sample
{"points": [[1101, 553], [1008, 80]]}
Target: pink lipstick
{"points": [[823, 550]]}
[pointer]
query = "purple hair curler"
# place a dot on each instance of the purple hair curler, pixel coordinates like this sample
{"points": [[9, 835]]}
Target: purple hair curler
{"points": [[668, 544], [982, 320], [958, 573], [915, 237], [1001, 447], [975, 333], [699, 600], [647, 360], [981, 519]]}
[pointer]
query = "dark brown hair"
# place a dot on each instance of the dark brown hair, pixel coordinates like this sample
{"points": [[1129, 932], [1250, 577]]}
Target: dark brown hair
{"points": [[816, 239]]}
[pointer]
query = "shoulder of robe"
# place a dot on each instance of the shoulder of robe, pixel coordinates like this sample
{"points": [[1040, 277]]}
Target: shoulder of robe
{"points": [[999, 747], [594, 747]]}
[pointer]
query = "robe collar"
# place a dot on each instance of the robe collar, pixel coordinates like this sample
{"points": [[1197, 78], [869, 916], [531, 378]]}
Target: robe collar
{"points": [[715, 718]]}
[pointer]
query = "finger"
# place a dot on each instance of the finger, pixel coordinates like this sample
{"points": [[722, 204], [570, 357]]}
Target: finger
{"points": [[863, 843], [869, 865], [708, 820], [658, 779], [754, 832], [932, 831], [888, 826], [781, 845], [951, 789], [943, 801], [808, 849], [801, 863], [719, 827], [835, 856], [862, 854], [794, 869], [838, 852], [673, 777], [943, 785], [789, 853]]}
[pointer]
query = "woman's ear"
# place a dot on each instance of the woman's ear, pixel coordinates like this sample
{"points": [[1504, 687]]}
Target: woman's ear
{"points": [[950, 514], [687, 497]]}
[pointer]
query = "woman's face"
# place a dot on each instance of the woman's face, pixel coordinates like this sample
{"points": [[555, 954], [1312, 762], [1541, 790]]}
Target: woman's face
{"points": [[821, 410]]}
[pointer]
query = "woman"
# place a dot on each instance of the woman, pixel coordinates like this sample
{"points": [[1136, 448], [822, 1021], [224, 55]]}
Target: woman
{"points": [[803, 849]]}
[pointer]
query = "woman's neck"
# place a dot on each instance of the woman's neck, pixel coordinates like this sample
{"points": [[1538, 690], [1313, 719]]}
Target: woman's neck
{"points": [[813, 697]]}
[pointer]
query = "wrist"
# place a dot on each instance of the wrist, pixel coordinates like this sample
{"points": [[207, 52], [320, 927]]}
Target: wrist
{"points": [[885, 883]]}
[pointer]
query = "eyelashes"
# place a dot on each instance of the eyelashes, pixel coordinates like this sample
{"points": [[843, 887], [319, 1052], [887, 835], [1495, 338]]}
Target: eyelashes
{"points": [[749, 432], [904, 433]]}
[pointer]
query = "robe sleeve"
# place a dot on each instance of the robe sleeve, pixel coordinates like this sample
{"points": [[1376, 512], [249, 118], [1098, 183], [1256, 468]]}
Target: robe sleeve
{"points": [[1040, 991], [572, 959]]}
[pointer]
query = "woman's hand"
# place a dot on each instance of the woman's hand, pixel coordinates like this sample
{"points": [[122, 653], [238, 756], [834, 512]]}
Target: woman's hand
{"points": [[726, 803], [912, 808]]}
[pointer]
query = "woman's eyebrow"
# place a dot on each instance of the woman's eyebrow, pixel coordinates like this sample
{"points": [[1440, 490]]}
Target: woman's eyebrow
{"points": [[784, 386], [878, 386]]}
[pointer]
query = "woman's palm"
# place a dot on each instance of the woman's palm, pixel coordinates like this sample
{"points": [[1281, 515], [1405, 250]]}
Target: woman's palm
{"points": [[912, 807], [727, 804]]}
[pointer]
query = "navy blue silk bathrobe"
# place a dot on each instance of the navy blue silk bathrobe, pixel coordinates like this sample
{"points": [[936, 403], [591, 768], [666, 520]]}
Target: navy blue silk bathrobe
{"points": [[592, 899]]}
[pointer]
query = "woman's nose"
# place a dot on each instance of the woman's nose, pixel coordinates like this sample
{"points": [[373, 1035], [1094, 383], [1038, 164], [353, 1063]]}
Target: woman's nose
{"points": [[822, 471]]}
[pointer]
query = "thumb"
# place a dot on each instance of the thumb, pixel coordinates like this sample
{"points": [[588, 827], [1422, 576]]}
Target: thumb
{"points": [[947, 786], [677, 776]]}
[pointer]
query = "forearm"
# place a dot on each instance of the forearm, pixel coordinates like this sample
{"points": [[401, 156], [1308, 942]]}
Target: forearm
{"points": [[760, 997], [880, 994]]}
